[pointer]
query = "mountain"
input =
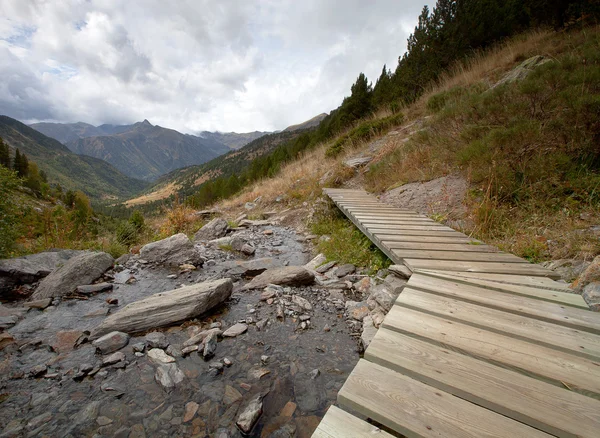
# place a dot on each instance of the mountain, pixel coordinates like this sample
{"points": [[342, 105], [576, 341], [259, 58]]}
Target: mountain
{"points": [[233, 139], [141, 150], [311, 123], [93, 176]]}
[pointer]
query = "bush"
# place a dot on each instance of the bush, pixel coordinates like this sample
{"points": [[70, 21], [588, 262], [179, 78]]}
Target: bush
{"points": [[137, 220], [9, 224], [127, 234]]}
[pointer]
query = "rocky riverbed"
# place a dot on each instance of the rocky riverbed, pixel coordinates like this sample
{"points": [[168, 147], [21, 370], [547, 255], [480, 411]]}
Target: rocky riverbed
{"points": [[266, 362]]}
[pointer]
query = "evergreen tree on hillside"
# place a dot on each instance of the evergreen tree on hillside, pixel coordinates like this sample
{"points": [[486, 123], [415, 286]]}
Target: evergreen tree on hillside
{"points": [[20, 164], [4, 154]]}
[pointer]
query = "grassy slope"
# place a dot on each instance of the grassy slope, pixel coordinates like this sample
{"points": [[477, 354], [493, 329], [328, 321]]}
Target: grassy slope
{"points": [[528, 149], [95, 177]]}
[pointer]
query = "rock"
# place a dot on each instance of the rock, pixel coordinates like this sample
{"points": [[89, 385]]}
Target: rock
{"points": [[357, 162], [166, 308], [261, 325], [287, 275], [237, 243], [119, 356], [302, 302], [523, 70], [249, 415], [257, 373], [221, 242], [344, 270], [91, 289], [198, 338], [240, 218], [288, 410], [111, 342], [326, 328], [156, 340], [268, 293], [189, 349], [210, 345], [383, 296], [38, 370], [248, 249], [214, 229], [357, 310], [173, 350], [395, 284], [235, 330], [591, 295], [568, 269], [251, 268], [8, 321], [401, 271], [190, 411], [39, 304], [369, 331], [326, 267], [231, 395], [377, 315], [314, 263], [81, 269], [173, 251], [5, 340], [227, 362], [258, 223], [29, 269], [249, 205], [159, 357], [169, 375], [363, 285]]}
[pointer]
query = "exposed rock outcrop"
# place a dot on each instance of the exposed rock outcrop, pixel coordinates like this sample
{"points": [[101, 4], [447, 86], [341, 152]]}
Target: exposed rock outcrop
{"points": [[175, 250], [212, 230], [287, 275], [166, 308]]}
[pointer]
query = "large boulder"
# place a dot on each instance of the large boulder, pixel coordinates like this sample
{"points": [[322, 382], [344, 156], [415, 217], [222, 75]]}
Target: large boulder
{"points": [[81, 269], [166, 308], [287, 275], [212, 230], [175, 250], [29, 269]]}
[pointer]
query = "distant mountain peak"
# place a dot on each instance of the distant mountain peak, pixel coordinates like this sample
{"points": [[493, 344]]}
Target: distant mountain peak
{"points": [[146, 122]]}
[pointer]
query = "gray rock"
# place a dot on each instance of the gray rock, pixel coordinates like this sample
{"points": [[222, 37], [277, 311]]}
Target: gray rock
{"points": [[210, 345], [237, 243], [169, 375], [200, 337], [254, 223], [156, 340], [287, 275], [38, 370], [523, 70], [249, 205], [8, 321], [568, 269], [395, 284], [29, 269], [91, 289], [213, 230], [357, 310], [326, 267], [189, 349], [119, 356], [591, 295], [302, 302], [174, 251], [400, 271], [249, 415], [369, 331], [81, 269], [235, 330], [111, 342], [344, 270], [39, 304], [251, 268], [166, 308], [317, 261], [248, 249], [159, 357], [383, 296], [139, 347]]}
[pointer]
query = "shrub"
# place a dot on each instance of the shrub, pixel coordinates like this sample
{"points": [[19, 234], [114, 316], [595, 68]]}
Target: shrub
{"points": [[127, 234], [9, 225]]}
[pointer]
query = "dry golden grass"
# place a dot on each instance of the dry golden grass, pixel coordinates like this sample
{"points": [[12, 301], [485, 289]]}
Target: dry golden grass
{"points": [[162, 193]]}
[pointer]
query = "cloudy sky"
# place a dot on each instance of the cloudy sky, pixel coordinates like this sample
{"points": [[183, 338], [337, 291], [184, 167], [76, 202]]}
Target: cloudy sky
{"points": [[193, 65]]}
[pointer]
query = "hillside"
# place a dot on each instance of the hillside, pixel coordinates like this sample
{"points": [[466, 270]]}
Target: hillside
{"points": [[95, 177], [311, 123], [233, 139]]}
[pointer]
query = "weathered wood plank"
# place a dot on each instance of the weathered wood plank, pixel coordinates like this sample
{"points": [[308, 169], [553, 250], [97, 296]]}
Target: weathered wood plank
{"points": [[338, 423], [577, 373], [418, 410], [400, 228], [558, 295], [533, 330], [545, 308], [483, 267], [465, 256], [443, 246], [411, 233], [427, 238], [398, 221], [554, 410]]}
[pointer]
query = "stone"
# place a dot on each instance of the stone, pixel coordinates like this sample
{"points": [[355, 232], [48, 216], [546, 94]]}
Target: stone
{"points": [[103, 421], [39, 304], [169, 375], [38, 370], [249, 415], [344, 270], [199, 337], [249, 205], [287, 275], [173, 350], [590, 275], [29, 269], [326, 267], [237, 243], [288, 410], [383, 296], [257, 373], [189, 349], [166, 308], [231, 395], [261, 325], [377, 315], [400, 271], [227, 362], [369, 331], [357, 162], [158, 356], [591, 295], [210, 344], [248, 249], [91, 289], [268, 293], [156, 340], [568, 269], [257, 223], [187, 267], [214, 229], [139, 347], [119, 356], [235, 330], [251, 268], [357, 310], [80, 269], [111, 342], [5, 340], [302, 302], [394, 284], [190, 411], [137, 431], [8, 321], [315, 262], [523, 70], [363, 285], [173, 251]]}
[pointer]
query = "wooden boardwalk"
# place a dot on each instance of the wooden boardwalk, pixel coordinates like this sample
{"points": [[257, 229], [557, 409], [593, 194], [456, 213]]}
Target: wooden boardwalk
{"points": [[480, 343]]}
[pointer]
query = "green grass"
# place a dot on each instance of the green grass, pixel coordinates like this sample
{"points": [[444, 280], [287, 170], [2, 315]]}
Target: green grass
{"points": [[346, 244]]}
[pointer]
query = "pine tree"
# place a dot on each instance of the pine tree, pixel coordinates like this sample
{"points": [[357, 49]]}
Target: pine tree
{"points": [[17, 161], [4, 154]]}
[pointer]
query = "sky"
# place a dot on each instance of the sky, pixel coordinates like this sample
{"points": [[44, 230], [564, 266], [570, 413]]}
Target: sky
{"points": [[193, 65]]}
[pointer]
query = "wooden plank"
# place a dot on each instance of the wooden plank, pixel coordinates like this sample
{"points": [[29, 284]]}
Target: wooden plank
{"points": [[539, 282], [396, 221], [400, 228], [408, 233], [391, 215], [554, 366], [544, 308], [485, 267], [465, 256], [436, 238], [554, 410], [338, 423], [427, 246], [414, 409], [563, 296], [556, 336]]}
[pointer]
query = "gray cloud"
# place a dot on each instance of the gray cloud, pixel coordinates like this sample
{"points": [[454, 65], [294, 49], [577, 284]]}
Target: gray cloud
{"points": [[193, 64]]}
